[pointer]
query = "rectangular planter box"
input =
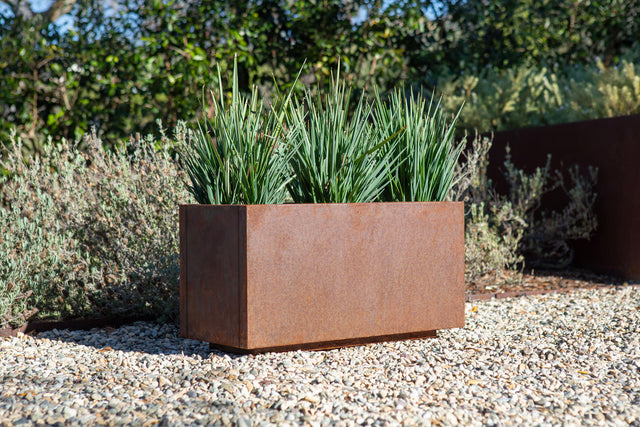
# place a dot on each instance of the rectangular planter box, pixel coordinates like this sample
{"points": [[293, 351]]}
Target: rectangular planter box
{"points": [[276, 277]]}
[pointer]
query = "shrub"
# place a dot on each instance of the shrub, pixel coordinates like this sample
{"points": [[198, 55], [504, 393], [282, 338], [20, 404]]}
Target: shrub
{"points": [[503, 99], [546, 240], [602, 91], [505, 230], [91, 231], [529, 96], [492, 233]]}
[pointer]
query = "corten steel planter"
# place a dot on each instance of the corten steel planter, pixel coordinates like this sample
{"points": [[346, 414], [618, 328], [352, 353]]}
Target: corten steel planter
{"points": [[275, 277]]}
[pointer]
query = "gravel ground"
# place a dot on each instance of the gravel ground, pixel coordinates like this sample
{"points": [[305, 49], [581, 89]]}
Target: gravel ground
{"points": [[570, 359]]}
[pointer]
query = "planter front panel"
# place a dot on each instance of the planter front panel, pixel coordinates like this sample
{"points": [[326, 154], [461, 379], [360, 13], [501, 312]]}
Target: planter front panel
{"points": [[269, 276], [318, 273]]}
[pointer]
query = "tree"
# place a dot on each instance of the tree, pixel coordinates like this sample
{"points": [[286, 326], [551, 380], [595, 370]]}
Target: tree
{"points": [[123, 67], [151, 59], [29, 51], [480, 33]]}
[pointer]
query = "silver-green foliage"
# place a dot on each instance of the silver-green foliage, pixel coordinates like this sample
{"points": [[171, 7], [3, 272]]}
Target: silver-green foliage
{"points": [[90, 231], [322, 148], [424, 146], [546, 237], [337, 156], [492, 232], [36, 253], [238, 155]]}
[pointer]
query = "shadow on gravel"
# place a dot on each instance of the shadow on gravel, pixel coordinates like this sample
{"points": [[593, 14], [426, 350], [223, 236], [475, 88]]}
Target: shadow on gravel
{"points": [[140, 337]]}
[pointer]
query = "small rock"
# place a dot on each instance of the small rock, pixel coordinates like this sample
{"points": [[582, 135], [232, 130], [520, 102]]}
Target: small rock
{"points": [[311, 398], [69, 412], [163, 382]]}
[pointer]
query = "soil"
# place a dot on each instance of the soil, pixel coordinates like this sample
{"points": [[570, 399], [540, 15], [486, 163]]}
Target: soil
{"points": [[539, 282]]}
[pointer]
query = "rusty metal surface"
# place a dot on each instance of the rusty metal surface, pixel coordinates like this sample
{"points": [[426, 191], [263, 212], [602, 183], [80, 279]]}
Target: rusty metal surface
{"points": [[184, 323], [613, 145], [212, 303], [322, 273]]}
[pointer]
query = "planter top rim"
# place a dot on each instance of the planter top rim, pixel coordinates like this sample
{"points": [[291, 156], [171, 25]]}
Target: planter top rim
{"points": [[324, 204]]}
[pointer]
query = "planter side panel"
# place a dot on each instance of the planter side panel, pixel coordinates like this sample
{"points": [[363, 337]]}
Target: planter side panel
{"points": [[212, 276], [318, 273]]}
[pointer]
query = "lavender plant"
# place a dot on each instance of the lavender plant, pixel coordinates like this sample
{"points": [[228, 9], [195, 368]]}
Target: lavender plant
{"points": [[89, 231]]}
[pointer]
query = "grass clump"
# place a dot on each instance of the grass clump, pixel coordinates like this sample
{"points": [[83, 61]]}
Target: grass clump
{"points": [[424, 146], [322, 148], [238, 155], [337, 157]]}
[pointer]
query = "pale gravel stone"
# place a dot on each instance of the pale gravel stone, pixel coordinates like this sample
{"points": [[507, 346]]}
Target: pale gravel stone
{"points": [[564, 359]]}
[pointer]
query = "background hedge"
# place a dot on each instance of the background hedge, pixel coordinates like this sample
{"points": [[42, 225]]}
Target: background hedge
{"points": [[80, 64]]}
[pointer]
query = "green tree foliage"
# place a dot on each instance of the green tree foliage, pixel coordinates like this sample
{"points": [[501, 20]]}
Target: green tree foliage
{"points": [[122, 64], [480, 33], [523, 96], [119, 69]]}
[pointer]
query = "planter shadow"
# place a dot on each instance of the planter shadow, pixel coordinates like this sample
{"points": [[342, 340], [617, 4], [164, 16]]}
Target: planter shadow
{"points": [[141, 336]]}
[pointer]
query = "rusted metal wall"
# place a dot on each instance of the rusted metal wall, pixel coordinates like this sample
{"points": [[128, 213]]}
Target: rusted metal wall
{"points": [[612, 145]]}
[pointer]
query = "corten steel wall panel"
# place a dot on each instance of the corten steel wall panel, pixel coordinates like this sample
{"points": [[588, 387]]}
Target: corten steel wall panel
{"points": [[613, 145], [319, 273], [212, 298]]}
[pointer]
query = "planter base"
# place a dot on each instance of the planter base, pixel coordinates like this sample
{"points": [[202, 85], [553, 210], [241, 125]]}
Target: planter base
{"points": [[328, 345]]}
